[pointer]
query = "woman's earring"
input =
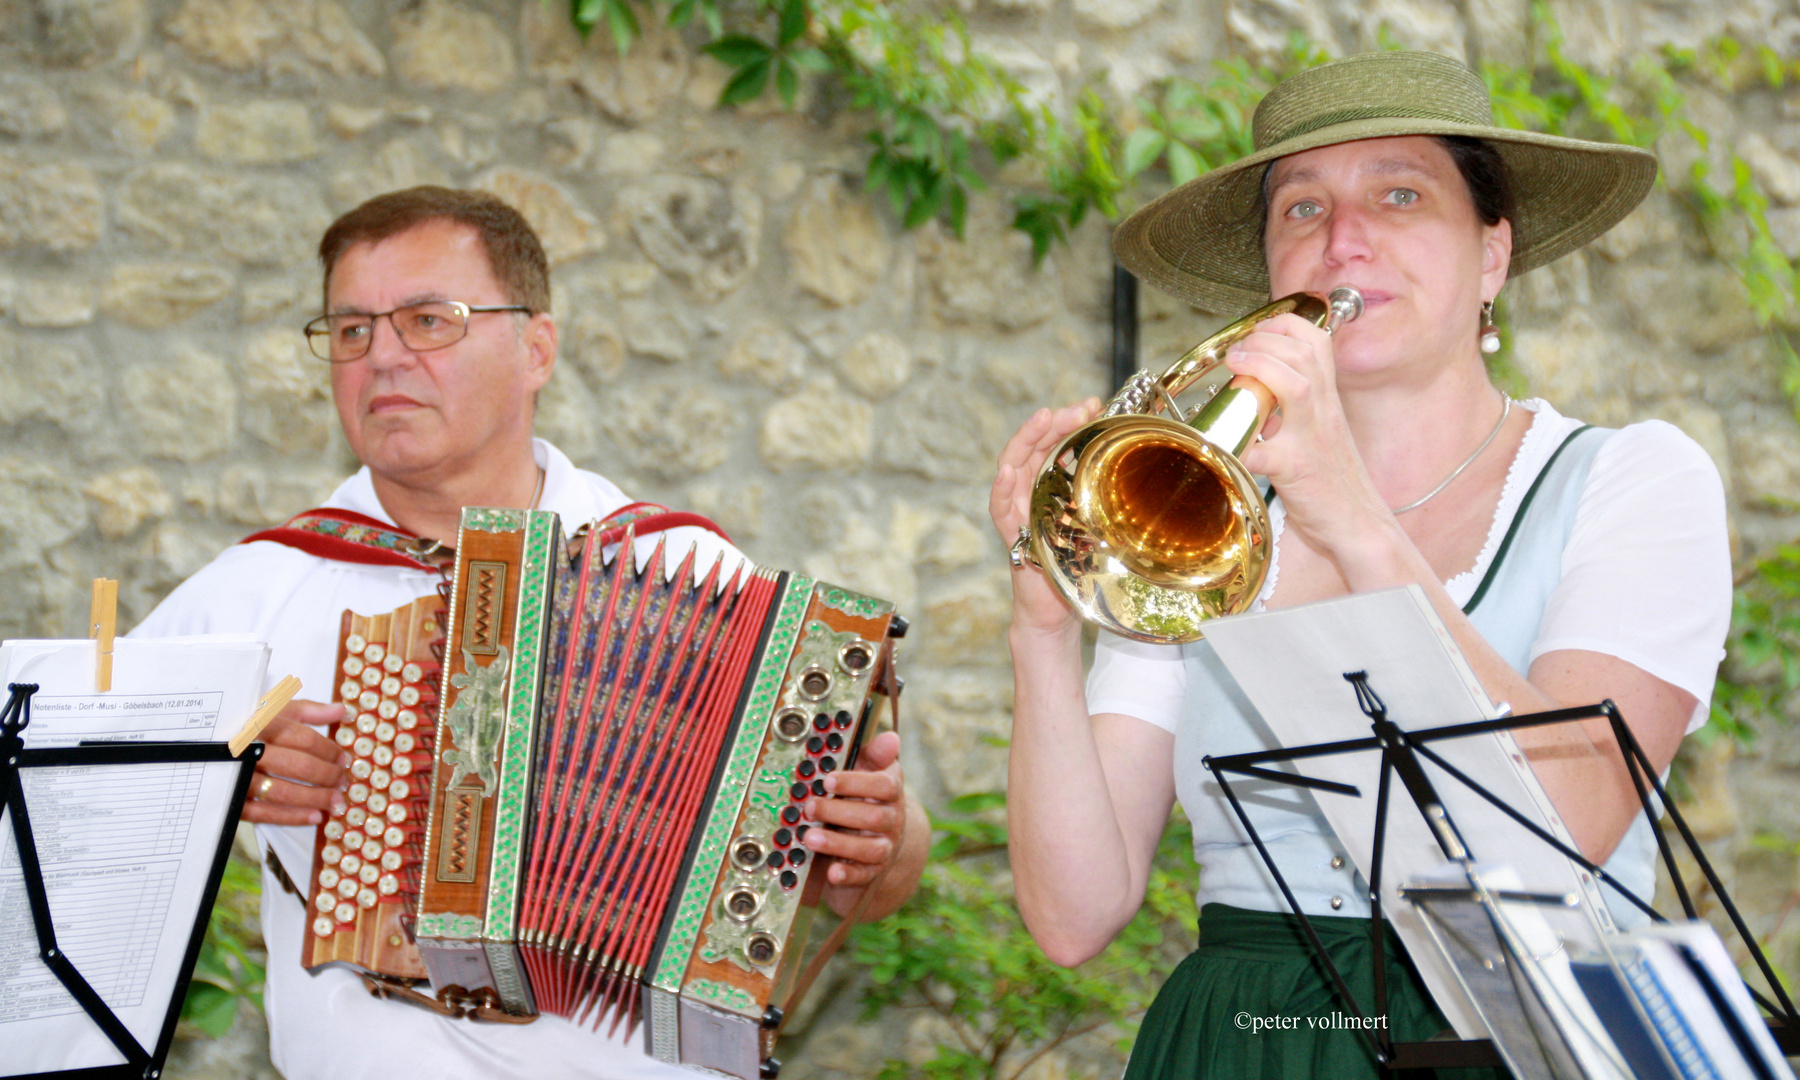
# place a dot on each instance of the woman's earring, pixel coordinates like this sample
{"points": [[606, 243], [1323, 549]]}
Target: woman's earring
{"points": [[1490, 334]]}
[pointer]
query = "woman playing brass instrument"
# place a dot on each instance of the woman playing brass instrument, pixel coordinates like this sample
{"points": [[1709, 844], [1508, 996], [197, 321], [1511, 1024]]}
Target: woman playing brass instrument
{"points": [[1394, 461]]}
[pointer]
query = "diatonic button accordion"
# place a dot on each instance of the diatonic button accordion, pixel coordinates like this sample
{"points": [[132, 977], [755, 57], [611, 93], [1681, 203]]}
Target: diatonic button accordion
{"points": [[582, 787]]}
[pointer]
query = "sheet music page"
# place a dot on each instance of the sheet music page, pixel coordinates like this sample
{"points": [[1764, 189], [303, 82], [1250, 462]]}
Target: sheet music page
{"points": [[1291, 665], [126, 849]]}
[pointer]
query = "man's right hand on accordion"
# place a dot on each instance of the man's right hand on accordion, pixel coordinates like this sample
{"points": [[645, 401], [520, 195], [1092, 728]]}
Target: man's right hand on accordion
{"points": [[879, 835]]}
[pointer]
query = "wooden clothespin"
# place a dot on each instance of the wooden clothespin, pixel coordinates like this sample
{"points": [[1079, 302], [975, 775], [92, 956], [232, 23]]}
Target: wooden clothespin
{"points": [[103, 617], [272, 702]]}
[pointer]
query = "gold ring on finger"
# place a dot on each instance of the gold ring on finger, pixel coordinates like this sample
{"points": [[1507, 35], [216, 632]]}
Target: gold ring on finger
{"points": [[265, 785]]}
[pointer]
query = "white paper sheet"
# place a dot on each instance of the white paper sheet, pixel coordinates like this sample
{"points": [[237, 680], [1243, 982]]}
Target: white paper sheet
{"points": [[1291, 665], [126, 849]]}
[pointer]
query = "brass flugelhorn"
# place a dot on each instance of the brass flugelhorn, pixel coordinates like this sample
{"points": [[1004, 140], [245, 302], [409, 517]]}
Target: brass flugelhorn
{"points": [[1148, 524]]}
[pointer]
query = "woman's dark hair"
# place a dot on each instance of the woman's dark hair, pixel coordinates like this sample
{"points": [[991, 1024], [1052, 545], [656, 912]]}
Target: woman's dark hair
{"points": [[1484, 172]]}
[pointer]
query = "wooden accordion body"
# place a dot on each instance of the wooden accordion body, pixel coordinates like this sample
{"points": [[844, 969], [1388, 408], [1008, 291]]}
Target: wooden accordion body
{"points": [[618, 790]]}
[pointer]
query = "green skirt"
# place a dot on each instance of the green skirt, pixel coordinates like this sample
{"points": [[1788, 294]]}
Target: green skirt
{"points": [[1252, 1002]]}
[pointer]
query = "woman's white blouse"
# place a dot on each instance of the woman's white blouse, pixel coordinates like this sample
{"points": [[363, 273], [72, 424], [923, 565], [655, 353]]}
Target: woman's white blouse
{"points": [[1646, 574]]}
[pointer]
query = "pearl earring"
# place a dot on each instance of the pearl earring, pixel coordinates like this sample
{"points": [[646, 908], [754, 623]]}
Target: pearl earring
{"points": [[1490, 334]]}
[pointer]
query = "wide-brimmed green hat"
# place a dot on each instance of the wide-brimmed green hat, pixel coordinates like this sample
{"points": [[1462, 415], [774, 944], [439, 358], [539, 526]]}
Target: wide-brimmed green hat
{"points": [[1203, 241]]}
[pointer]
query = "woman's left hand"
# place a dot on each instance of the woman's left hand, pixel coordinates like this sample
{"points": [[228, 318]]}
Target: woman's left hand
{"points": [[1306, 450]]}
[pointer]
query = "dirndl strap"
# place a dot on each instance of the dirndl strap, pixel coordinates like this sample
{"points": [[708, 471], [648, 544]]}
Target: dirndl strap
{"points": [[1252, 1002]]}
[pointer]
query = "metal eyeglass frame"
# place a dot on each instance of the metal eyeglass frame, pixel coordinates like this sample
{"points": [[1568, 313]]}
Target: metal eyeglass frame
{"points": [[320, 327]]}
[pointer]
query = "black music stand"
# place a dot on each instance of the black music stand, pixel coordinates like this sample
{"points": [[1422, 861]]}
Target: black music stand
{"points": [[1400, 754], [140, 1063]]}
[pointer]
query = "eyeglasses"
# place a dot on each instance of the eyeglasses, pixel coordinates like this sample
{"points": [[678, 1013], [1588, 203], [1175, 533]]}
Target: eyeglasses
{"points": [[434, 324]]}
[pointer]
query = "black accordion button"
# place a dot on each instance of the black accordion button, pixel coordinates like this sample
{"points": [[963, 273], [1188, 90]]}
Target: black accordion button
{"points": [[791, 815], [828, 764], [797, 857], [798, 791], [821, 722], [789, 879], [816, 745], [784, 837], [806, 769], [834, 742], [800, 833], [844, 719], [818, 786], [776, 859]]}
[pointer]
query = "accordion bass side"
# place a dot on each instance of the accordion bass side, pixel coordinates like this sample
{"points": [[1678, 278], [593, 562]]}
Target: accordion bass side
{"points": [[623, 765]]}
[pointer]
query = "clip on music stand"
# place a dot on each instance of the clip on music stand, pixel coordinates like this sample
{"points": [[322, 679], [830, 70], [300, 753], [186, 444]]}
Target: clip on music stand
{"points": [[140, 1063], [1400, 754]]}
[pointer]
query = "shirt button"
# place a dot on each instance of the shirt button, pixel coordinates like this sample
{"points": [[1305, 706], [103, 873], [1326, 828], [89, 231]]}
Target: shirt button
{"points": [[1337, 862], [1337, 902]]}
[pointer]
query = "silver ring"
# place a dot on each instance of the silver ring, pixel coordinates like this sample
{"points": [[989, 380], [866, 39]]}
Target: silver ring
{"points": [[1016, 555]]}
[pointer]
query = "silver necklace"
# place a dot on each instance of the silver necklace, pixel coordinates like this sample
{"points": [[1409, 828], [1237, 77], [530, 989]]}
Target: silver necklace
{"points": [[1505, 410]]}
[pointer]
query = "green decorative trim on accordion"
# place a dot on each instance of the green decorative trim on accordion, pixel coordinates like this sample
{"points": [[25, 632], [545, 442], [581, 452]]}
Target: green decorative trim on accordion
{"points": [[733, 784], [512, 804], [447, 925], [493, 520], [853, 603], [724, 994]]}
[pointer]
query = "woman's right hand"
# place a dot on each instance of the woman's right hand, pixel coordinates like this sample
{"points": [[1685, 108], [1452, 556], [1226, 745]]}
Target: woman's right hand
{"points": [[1036, 603]]}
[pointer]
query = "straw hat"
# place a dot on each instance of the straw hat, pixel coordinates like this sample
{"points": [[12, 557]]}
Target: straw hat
{"points": [[1203, 241]]}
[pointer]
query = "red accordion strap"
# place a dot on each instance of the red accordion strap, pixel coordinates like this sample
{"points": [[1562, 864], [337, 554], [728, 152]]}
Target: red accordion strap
{"points": [[647, 518], [346, 536]]}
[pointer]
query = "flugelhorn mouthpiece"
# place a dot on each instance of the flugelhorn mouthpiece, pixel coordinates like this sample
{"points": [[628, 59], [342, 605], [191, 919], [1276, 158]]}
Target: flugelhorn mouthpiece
{"points": [[1346, 304]]}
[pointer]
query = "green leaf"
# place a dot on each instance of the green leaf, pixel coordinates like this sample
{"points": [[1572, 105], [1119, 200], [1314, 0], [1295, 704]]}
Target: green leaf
{"points": [[787, 82], [738, 51], [212, 1009], [622, 21], [1184, 164], [1142, 149], [793, 22], [747, 83]]}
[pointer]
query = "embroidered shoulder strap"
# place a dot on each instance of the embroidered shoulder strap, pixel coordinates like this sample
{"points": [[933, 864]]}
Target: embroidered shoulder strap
{"points": [[647, 518], [346, 536]]}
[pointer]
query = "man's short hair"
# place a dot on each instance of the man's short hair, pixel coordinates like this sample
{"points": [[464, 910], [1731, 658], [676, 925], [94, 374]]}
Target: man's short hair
{"points": [[514, 254]]}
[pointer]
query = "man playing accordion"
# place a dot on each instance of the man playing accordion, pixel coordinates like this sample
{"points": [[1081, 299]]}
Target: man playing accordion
{"points": [[439, 335]]}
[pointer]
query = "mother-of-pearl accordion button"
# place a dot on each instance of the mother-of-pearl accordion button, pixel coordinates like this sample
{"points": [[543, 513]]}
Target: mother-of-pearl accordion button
{"points": [[390, 685], [346, 912], [326, 899], [372, 850], [374, 653], [328, 877], [371, 676], [412, 673], [393, 838], [388, 885], [379, 779], [406, 719], [356, 815], [323, 926], [368, 874], [345, 735], [358, 793], [398, 789], [366, 722], [367, 898], [348, 689], [384, 732], [334, 829], [392, 663], [369, 699], [396, 812], [402, 765], [331, 853], [409, 696], [346, 888], [360, 768], [364, 746], [353, 666], [377, 802], [390, 859], [387, 710], [355, 643], [353, 840], [350, 863], [383, 756]]}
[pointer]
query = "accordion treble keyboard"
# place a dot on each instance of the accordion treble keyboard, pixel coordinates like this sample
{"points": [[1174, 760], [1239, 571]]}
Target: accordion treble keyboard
{"points": [[365, 873]]}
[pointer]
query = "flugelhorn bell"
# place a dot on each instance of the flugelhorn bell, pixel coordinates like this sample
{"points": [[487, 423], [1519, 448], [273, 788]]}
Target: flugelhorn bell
{"points": [[1148, 524]]}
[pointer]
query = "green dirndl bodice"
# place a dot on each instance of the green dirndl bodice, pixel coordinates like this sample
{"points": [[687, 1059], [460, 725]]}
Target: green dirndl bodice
{"points": [[1251, 1001]]}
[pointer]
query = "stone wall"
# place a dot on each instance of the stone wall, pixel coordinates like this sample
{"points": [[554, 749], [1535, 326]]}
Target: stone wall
{"points": [[722, 283]]}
